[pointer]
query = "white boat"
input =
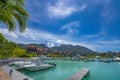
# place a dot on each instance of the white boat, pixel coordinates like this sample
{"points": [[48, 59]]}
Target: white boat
{"points": [[116, 59], [21, 63], [34, 65]]}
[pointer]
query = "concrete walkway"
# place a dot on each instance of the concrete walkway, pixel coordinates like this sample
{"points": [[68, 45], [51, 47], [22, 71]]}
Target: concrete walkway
{"points": [[16, 75], [3, 75]]}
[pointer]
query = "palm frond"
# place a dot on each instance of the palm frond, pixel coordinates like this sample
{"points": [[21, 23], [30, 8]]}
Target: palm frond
{"points": [[12, 10], [6, 17]]}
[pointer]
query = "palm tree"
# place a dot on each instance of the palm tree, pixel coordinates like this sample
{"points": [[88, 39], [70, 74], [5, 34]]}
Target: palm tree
{"points": [[12, 11]]}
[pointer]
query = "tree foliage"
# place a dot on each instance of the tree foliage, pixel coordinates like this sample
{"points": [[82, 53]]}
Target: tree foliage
{"points": [[12, 11], [10, 49]]}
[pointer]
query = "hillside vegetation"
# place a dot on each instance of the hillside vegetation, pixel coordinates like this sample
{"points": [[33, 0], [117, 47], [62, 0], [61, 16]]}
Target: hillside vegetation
{"points": [[10, 49]]}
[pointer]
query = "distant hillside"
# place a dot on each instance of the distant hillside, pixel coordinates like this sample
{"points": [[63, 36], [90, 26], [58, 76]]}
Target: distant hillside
{"points": [[63, 47], [25, 46], [71, 48]]}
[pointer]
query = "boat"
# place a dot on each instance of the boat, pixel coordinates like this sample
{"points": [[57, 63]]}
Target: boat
{"points": [[22, 63], [34, 65], [116, 59], [104, 60], [85, 60]]}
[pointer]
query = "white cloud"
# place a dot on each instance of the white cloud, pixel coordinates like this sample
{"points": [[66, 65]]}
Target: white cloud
{"points": [[7, 33], [82, 7], [63, 9], [34, 36], [71, 27], [109, 13], [107, 16], [110, 42], [100, 35], [31, 34], [48, 10]]}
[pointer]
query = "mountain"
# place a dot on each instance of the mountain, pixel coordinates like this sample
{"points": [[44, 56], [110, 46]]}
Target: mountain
{"points": [[52, 44], [25, 46], [71, 48], [63, 48]]}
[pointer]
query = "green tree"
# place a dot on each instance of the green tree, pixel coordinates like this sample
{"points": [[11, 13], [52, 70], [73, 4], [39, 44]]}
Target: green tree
{"points": [[2, 39], [12, 11], [7, 48], [18, 52]]}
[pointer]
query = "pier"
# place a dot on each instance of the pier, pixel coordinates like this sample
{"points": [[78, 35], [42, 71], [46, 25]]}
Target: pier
{"points": [[15, 75], [79, 75]]}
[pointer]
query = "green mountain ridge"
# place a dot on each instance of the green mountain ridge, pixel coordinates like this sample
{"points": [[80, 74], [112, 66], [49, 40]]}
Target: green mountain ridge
{"points": [[73, 49], [63, 47]]}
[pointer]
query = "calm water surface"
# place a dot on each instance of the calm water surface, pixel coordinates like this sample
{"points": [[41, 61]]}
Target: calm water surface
{"points": [[66, 68]]}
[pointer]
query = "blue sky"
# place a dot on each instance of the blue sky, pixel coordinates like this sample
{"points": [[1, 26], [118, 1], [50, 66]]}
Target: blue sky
{"points": [[94, 24]]}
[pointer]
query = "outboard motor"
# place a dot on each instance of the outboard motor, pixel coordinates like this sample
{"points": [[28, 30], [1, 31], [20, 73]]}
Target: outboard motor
{"points": [[52, 64]]}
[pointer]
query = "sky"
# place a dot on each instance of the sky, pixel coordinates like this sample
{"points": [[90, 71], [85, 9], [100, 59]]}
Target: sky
{"points": [[94, 24]]}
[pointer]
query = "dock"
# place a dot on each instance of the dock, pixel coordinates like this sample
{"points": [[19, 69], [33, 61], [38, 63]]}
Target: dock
{"points": [[16, 75], [79, 75]]}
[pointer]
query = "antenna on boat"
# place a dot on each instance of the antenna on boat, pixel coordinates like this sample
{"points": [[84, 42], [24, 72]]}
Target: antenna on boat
{"points": [[96, 48]]}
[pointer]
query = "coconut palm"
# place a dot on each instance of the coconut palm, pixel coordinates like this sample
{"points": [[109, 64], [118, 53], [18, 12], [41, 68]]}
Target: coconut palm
{"points": [[12, 11]]}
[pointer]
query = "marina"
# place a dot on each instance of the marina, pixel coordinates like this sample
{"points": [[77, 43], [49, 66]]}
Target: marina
{"points": [[73, 70], [59, 40], [66, 68]]}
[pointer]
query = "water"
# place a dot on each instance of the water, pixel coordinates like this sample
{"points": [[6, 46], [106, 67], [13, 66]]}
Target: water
{"points": [[66, 68]]}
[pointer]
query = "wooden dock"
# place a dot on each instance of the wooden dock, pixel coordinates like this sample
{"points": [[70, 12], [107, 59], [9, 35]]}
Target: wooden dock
{"points": [[79, 75], [16, 75]]}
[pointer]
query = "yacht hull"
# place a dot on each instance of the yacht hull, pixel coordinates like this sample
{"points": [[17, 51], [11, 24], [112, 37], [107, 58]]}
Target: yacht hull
{"points": [[36, 68]]}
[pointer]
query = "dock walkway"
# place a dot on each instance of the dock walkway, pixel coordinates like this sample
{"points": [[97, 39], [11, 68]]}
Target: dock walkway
{"points": [[3, 75], [16, 75], [79, 75]]}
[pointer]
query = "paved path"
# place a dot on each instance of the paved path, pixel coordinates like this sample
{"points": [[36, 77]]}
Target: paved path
{"points": [[79, 75], [16, 75], [3, 75]]}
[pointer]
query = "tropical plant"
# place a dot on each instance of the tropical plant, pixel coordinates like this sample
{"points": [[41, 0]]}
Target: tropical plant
{"points": [[2, 39], [12, 11], [9, 49], [18, 52]]}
